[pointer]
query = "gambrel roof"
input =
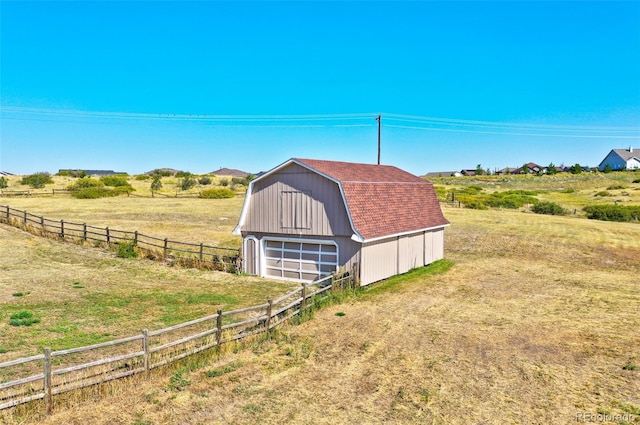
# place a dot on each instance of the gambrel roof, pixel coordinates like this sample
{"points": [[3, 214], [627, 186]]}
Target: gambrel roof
{"points": [[381, 200]]}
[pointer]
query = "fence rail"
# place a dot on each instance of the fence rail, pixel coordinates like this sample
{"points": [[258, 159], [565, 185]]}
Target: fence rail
{"points": [[55, 372], [53, 192], [208, 256]]}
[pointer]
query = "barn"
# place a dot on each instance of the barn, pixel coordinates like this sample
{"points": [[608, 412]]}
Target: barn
{"points": [[307, 218]]}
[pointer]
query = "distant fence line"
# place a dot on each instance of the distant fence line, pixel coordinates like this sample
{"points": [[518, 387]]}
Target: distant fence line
{"points": [[42, 376], [191, 254], [46, 192]]}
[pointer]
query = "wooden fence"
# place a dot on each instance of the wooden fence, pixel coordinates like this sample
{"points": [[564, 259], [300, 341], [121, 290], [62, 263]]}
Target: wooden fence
{"points": [[53, 192], [209, 256], [53, 372], [8, 192]]}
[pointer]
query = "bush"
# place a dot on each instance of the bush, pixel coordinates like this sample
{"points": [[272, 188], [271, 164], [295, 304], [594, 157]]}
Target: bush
{"points": [[72, 173], [37, 180], [217, 193], [86, 182], [93, 193], [127, 249], [88, 188], [115, 181], [224, 182], [623, 213], [616, 187], [512, 199], [161, 173], [183, 174], [142, 177], [187, 183], [550, 208], [603, 193], [3, 183], [204, 180]]}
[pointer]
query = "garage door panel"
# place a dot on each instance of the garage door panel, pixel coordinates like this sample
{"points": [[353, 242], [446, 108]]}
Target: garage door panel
{"points": [[299, 260]]}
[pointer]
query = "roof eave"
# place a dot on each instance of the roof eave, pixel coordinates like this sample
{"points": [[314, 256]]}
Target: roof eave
{"points": [[395, 235]]}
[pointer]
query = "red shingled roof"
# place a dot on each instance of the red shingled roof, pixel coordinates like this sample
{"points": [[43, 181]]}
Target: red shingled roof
{"points": [[383, 200]]}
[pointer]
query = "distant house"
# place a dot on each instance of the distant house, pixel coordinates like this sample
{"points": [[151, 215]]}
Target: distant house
{"points": [[507, 170], [621, 159], [308, 218], [231, 172], [532, 167]]}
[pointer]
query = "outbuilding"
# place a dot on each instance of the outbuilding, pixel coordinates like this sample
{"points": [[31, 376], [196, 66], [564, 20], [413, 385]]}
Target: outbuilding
{"points": [[307, 218]]}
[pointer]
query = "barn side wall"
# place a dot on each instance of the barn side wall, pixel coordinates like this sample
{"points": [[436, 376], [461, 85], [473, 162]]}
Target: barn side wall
{"points": [[396, 255]]}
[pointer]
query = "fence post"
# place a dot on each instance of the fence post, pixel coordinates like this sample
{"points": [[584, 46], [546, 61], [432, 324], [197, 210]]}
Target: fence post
{"points": [[147, 354], [107, 235], [135, 238], [84, 231], [304, 296], [62, 229], [48, 401], [42, 222], [7, 213], [219, 329], [333, 282], [165, 248], [201, 250], [24, 218], [269, 309]]}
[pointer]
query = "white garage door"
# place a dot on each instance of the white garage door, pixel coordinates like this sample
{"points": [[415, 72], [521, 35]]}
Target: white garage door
{"points": [[301, 260]]}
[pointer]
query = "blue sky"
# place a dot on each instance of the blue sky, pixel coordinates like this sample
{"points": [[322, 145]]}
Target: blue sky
{"points": [[133, 86]]}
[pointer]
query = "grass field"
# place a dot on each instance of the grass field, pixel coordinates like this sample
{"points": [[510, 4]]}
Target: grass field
{"points": [[532, 319]]}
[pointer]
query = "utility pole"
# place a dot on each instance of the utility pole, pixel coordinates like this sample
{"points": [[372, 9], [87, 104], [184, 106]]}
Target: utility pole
{"points": [[379, 119]]}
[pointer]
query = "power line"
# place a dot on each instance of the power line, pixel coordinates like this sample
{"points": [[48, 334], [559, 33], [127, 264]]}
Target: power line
{"points": [[506, 133], [422, 123]]}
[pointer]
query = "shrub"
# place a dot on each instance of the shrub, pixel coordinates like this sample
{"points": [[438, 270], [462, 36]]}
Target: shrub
{"points": [[161, 172], [88, 188], [616, 187], [623, 213], [141, 177], [72, 173], [512, 199], [603, 193], [217, 193], [204, 180], [187, 183], [93, 193], [86, 182], [3, 183], [636, 181], [127, 249], [115, 181], [183, 174], [550, 208], [37, 180], [224, 182]]}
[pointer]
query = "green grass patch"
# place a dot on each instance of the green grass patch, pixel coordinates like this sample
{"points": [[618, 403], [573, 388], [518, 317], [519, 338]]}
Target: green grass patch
{"points": [[213, 373], [23, 318], [394, 283]]}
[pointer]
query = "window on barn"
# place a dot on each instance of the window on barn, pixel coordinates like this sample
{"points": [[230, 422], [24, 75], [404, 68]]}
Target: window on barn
{"points": [[295, 211]]}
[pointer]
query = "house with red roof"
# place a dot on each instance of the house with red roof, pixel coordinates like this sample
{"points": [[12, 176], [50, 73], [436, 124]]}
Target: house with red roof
{"points": [[308, 218]]}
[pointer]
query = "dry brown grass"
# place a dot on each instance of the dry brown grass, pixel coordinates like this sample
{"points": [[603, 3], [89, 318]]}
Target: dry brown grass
{"points": [[536, 322]]}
